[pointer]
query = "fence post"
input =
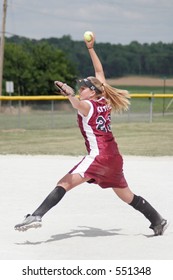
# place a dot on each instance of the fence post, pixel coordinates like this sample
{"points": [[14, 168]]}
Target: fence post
{"points": [[151, 107], [52, 113], [19, 114]]}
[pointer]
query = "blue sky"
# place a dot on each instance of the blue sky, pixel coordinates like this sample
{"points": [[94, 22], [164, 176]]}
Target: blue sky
{"points": [[113, 21]]}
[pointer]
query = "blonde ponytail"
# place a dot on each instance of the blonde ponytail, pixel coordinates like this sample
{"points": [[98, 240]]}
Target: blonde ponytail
{"points": [[117, 98]]}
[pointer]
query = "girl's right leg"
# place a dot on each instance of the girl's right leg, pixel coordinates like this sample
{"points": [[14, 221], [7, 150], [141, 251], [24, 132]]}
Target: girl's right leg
{"points": [[158, 224]]}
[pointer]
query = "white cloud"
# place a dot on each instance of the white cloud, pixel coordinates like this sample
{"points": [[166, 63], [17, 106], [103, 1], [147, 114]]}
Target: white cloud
{"points": [[113, 21]]}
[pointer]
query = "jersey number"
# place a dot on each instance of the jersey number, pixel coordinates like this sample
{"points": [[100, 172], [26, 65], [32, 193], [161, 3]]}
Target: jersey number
{"points": [[101, 123]]}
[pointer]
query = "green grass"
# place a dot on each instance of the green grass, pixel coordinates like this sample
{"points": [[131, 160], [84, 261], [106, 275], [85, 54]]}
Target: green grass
{"points": [[147, 139], [154, 139], [38, 130]]}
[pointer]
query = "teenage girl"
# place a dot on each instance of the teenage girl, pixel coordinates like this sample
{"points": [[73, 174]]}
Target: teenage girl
{"points": [[103, 165]]}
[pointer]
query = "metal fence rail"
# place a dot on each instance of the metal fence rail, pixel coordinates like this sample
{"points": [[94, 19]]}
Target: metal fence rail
{"points": [[50, 112], [60, 97]]}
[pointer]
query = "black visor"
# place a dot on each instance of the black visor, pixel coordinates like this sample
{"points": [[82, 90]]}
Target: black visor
{"points": [[87, 83]]}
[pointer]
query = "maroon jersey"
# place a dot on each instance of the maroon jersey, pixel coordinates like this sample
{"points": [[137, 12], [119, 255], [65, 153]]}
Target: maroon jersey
{"points": [[96, 129], [103, 164]]}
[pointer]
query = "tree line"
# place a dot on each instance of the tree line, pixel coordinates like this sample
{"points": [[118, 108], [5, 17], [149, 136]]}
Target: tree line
{"points": [[33, 65]]}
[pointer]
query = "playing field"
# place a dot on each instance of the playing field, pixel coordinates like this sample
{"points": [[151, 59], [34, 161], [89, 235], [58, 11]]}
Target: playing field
{"points": [[38, 146], [89, 223]]}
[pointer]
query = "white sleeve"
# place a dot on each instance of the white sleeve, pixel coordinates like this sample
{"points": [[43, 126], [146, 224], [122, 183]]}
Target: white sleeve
{"points": [[90, 111]]}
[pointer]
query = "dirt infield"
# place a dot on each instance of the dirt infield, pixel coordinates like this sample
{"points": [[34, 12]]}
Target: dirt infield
{"points": [[89, 223], [140, 81]]}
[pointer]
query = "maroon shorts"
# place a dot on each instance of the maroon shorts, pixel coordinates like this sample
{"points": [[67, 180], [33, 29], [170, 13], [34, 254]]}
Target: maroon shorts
{"points": [[106, 171]]}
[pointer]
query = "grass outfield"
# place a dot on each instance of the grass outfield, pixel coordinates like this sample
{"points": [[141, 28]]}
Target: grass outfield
{"points": [[38, 130], [144, 139]]}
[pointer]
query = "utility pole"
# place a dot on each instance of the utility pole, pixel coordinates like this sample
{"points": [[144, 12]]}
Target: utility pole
{"points": [[2, 44]]}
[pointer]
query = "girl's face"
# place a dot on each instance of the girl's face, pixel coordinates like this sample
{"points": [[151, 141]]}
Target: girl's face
{"points": [[85, 93]]}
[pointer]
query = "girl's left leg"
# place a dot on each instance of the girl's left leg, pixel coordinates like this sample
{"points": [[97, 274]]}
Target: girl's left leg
{"points": [[68, 182]]}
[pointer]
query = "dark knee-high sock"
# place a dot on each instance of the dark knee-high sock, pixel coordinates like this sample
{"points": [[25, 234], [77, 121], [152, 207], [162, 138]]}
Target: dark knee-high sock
{"points": [[140, 204], [51, 200]]}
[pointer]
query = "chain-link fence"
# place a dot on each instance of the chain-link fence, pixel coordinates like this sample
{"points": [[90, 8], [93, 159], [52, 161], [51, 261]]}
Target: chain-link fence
{"points": [[56, 112]]}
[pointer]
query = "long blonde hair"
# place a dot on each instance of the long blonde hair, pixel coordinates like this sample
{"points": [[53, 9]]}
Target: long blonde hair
{"points": [[117, 98]]}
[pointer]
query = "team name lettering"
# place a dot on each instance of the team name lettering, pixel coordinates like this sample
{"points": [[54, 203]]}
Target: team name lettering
{"points": [[103, 108]]}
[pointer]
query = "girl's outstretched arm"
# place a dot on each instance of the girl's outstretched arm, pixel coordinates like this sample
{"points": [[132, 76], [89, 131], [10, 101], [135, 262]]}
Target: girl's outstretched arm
{"points": [[98, 68]]}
